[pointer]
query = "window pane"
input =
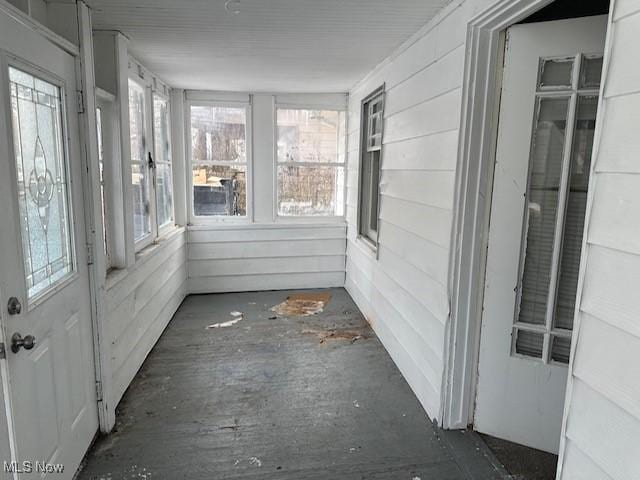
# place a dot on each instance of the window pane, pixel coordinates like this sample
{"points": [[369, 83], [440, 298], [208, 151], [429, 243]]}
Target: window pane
{"points": [[219, 190], [575, 211], [36, 115], [365, 195], [164, 193], [162, 148], [309, 135], [310, 191], [375, 187], [139, 167], [218, 134], [529, 343], [560, 349], [591, 72], [544, 184], [141, 217], [101, 173], [556, 72]]}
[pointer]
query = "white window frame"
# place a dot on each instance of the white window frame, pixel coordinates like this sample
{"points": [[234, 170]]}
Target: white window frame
{"points": [[248, 164], [163, 229], [276, 163], [148, 136], [364, 138], [572, 93], [138, 74], [106, 103]]}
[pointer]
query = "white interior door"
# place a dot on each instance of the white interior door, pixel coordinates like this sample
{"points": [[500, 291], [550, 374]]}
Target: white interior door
{"points": [[48, 374], [547, 115]]}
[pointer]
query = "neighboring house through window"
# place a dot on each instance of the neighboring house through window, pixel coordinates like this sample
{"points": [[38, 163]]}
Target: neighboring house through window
{"points": [[219, 160], [310, 162]]}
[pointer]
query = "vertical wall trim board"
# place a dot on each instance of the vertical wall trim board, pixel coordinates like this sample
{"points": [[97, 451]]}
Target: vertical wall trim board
{"points": [[93, 220], [593, 179]]}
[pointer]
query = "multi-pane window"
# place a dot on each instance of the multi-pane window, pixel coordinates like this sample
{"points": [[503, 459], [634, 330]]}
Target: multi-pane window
{"points": [[140, 161], [42, 185], [559, 166], [219, 160], [162, 161], [311, 157], [151, 168], [370, 162]]}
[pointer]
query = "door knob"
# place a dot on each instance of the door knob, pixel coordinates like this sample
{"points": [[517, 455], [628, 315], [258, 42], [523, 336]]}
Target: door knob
{"points": [[13, 306], [28, 342]]}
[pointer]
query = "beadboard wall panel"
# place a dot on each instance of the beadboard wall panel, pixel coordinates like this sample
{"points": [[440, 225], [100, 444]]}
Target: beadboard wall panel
{"points": [[140, 302], [266, 257]]}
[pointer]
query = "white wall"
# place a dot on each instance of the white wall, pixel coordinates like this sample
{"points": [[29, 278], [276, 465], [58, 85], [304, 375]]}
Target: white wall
{"points": [[266, 257], [602, 413], [403, 293], [140, 302], [264, 252]]}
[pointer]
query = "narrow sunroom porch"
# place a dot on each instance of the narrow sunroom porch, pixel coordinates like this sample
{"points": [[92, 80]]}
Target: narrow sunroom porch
{"points": [[300, 239]]}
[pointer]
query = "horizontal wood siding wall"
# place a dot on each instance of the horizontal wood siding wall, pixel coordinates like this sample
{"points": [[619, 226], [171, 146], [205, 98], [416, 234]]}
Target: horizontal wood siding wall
{"points": [[602, 416], [140, 304], [269, 257], [403, 292]]}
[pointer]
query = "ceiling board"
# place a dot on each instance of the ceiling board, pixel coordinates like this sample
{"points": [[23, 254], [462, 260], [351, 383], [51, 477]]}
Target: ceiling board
{"points": [[270, 45]]}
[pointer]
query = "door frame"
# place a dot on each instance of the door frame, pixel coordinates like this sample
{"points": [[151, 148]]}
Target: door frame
{"points": [[85, 83], [482, 84]]}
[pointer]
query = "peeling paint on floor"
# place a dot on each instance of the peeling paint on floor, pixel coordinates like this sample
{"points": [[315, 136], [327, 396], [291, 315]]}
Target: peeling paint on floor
{"points": [[302, 304]]}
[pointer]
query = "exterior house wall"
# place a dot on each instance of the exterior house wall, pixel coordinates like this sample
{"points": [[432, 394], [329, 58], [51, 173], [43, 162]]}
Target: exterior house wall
{"points": [[403, 292], [602, 412]]}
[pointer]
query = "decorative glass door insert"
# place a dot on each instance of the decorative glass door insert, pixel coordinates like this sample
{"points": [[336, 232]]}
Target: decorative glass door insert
{"points": [[41, 174]]}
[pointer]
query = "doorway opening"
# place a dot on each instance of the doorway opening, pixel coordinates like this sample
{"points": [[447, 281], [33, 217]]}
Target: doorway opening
{"points": [[526, 200], [547, 112]]}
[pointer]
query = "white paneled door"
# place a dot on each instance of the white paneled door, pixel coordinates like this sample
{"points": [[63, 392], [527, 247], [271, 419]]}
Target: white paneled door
{"points": [[48, 374], [548, 110]]}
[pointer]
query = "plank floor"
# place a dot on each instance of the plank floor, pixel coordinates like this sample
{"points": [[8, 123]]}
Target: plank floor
{"points": [[282, 398]]}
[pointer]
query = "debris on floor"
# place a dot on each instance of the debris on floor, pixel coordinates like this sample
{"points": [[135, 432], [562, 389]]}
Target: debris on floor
{"points": [[230, 323], [255, 461], [338, 334], [302, 304]]}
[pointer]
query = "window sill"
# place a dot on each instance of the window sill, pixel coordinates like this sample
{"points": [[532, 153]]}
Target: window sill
{"points": [[266, 226], [301, 220], [369, 245], [116, 275]]}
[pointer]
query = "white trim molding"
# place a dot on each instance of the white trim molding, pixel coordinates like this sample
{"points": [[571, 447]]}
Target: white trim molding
{"points": [[476, 148]]}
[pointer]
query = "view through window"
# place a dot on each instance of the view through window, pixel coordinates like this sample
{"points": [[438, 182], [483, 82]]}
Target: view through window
{"points": [[311, 162], [219, 160]]}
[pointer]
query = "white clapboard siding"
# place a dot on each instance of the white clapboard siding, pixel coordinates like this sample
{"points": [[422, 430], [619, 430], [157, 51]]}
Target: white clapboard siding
{"points": [[602, 414], [266, 257], [403, 289], [140, 302]]}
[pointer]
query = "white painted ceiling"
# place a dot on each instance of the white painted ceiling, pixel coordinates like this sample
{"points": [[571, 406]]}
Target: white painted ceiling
{"points": [[270, 45]]}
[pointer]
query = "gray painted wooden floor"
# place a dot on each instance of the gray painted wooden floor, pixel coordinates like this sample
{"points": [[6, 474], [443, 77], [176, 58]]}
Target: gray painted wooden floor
{"points": [[268, 399]]}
